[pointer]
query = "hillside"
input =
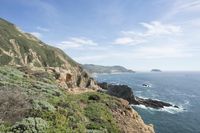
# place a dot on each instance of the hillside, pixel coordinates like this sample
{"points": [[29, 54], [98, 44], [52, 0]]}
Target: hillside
{"points": [[23, 49], [42, 90], [90, 68]]}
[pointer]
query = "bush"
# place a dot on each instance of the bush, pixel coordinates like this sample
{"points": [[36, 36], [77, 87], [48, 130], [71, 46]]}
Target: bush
{"points": [[42, 105], [14, 105], [94, 97], [30, 125]]}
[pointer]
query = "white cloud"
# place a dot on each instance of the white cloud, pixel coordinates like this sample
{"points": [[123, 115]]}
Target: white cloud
{"points": [[128, 41], [42, 29], [153, 29], [75, 42], [123, 40], [182, 6], [157, 28], [187, 5], [192, 24], [37, 34]]}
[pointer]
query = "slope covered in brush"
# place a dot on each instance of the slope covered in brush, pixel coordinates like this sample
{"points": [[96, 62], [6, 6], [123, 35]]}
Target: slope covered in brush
{"points": [[23, 49], [18, 48]]}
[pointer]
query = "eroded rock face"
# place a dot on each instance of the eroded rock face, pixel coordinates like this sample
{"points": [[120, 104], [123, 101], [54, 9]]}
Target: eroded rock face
{"points": [[125, 92], [72, 78]]}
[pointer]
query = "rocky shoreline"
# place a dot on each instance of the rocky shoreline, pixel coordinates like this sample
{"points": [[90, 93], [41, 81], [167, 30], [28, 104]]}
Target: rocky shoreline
{"points": [[125, 92]]}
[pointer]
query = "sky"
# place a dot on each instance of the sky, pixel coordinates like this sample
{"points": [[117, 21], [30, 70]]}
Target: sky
{"points": [[138, 34]]}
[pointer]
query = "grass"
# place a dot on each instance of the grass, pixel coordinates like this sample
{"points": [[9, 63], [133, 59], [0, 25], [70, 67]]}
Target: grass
{"points": [[52, 108]]}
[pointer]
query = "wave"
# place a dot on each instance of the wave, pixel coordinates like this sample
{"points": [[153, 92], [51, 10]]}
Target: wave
{"points": [[146, 85], [171, 109]]}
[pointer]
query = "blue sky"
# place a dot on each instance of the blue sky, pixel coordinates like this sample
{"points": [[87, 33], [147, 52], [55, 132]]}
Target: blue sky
{"points": [[137, 34]]}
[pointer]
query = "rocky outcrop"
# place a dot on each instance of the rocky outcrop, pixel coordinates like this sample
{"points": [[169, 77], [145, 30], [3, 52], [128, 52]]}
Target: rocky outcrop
{"points": [[152, 103], [125, 92], [73, 78], [68, 79], [128, 120]]}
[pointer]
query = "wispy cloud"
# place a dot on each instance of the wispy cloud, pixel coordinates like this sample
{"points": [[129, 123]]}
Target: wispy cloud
{"points": [[152, 29], [157, 28], [76, 42], [182, 6], [186, 5], [128, 40]]}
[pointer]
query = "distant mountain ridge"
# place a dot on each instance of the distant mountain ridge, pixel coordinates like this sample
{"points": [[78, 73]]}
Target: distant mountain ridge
{"points": [[91, 68]]}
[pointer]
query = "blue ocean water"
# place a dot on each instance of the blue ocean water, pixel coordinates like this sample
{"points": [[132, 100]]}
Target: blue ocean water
{"points": [[179, 88]]}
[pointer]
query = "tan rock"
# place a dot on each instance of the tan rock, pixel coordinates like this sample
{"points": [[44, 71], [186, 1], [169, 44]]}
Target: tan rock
{"points": [[129, 121]]}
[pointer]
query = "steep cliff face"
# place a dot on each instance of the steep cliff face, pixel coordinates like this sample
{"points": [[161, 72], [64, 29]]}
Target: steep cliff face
{"points": [[128, 120], [23, 49]]}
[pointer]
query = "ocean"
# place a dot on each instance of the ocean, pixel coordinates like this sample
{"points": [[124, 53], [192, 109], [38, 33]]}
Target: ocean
{"points": [[178, 88]]}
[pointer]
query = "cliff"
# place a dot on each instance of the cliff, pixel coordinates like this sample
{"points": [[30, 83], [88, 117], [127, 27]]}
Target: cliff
{"points": [[43, 90]]}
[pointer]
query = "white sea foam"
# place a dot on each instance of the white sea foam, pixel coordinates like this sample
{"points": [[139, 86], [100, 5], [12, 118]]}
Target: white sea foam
{"points": [[172, 110], [186, 102], [95, 75]]}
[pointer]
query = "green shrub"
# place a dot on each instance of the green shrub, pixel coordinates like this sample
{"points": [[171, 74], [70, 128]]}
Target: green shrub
{"points": [[5, 59], [43, 105], [30, 125]]}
